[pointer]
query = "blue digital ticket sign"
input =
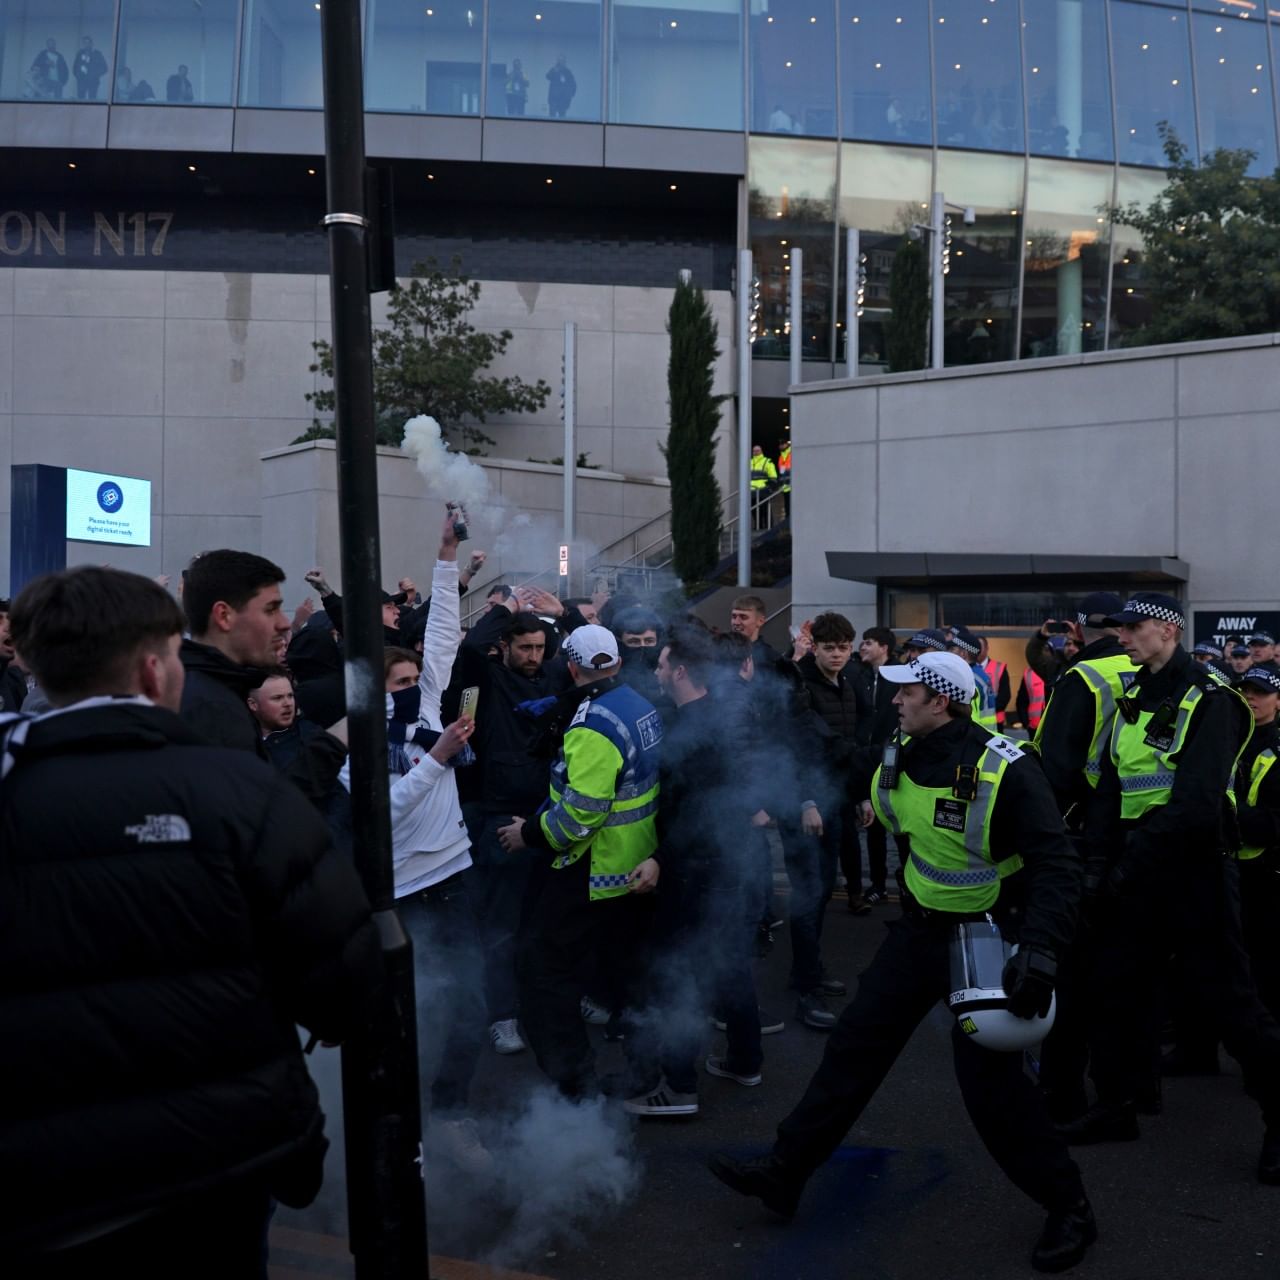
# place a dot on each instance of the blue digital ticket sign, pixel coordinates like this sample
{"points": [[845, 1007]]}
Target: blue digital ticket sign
{"points": [[102, 507]]}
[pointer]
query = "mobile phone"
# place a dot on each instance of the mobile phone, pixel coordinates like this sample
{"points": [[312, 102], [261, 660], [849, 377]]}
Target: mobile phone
{"points": [[1059, 628], [470, 699]]}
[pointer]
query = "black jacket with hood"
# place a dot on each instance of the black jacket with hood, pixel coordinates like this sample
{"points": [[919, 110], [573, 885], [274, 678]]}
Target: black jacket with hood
{"points": [[168, 912], [214, 699]]}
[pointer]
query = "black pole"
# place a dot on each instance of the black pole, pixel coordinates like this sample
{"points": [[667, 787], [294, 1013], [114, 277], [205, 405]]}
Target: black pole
{"points": [[381, 1100]]}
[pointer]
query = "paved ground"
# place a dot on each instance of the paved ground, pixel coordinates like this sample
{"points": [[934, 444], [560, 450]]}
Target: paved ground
{"points": [[911, 1194]]}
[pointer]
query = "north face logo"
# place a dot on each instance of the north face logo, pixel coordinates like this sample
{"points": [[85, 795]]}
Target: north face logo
{"points": [[161, 828]]}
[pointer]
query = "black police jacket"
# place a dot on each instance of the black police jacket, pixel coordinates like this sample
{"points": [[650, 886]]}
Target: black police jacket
{"points": [[1259, 823], [168, 912]]}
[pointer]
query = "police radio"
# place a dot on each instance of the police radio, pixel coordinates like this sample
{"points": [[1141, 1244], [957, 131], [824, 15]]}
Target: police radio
{"points": [[889, 763]]}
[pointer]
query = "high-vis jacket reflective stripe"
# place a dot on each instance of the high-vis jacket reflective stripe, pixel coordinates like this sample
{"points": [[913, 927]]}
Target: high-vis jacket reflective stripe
{"points": [[1147, 772], [1262, 765], [1107, 679], [762, 471], [995, 673], [984, 699], [604, 790], [784, 468], [950, 867], [1035, 698]]}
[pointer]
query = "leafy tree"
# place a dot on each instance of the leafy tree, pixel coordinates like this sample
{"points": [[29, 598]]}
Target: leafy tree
{"points": [[690, 449], [1211, 248], [907, 329], [430, 359]]}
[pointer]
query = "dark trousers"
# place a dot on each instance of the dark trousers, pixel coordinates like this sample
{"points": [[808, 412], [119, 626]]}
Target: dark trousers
{"points": [[448, 968], [700, 960], [566, 933], [811, 868], [503, 892], [851, 855], [906, 978], [217, 1236], [1191, 907]]}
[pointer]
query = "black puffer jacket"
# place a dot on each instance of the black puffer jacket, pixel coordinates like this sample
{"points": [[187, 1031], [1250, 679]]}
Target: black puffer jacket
{"points": [[168, 912], [213, 699]]}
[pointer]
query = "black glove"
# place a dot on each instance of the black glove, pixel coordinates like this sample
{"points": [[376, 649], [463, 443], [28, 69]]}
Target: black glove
{"points": [[1028, 982]]}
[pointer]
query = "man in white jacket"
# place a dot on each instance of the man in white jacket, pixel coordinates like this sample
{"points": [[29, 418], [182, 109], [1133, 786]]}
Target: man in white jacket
{"points": [[431, 854]]}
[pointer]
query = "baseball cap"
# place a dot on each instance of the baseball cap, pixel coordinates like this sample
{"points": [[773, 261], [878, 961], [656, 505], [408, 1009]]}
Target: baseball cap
{"points": [[1265, 675], [399, 598], [1097, 607], [946, 673], [931, 639], [1261, 637], [594, 648], [1148, 604], [964, 639], [1209, 650]]}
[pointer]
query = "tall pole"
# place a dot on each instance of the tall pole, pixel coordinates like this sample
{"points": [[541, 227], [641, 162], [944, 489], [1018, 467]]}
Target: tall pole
{"points": [[570, 442], [746, 274], [937, 229], [852, 272], [381, 1104], [797, 318]]}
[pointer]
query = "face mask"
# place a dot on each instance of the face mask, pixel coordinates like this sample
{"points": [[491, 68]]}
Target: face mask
{"points": [[405, 704], [641, 657]]}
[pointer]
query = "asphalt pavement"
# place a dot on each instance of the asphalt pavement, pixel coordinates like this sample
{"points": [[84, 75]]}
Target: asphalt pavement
{"points": [[912, 1193]]}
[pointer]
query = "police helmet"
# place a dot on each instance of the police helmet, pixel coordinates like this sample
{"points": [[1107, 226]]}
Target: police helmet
{"points": [[978, 999]]}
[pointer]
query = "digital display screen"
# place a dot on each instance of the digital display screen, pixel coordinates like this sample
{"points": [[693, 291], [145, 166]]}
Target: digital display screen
{"points": [[108, 508]]}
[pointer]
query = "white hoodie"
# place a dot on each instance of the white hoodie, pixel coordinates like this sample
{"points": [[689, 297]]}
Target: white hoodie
{"points": [[429, 840]]}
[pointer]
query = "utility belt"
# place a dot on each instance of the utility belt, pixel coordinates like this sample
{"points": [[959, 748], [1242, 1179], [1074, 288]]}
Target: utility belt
{"points": [[1006, 910]]}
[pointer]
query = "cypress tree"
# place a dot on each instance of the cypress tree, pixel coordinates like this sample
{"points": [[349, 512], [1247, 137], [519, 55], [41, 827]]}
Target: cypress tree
{"points": [[907, 328], [690, 449]]}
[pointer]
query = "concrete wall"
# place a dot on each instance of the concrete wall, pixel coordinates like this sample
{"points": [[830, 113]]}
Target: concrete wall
{"points": [[187, 378], [1161, 451], [300, 516]]}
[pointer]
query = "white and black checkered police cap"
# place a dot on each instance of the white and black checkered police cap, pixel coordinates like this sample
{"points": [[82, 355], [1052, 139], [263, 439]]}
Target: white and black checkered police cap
{"points": [[1149, 604], [945, 673], [1265, 675]]}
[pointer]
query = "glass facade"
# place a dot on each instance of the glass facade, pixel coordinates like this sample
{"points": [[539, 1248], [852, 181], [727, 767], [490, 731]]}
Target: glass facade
{"points": [[1035, 113]]}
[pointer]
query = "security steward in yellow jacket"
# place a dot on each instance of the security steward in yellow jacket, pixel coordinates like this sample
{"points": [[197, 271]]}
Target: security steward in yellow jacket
{"points": [[1162, 823], [984, 837]]}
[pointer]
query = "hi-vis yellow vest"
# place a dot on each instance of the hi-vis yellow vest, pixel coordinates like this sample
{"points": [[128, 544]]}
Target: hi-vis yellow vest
{"points": [[1263, 762], [1108, 679], [950, 867]]}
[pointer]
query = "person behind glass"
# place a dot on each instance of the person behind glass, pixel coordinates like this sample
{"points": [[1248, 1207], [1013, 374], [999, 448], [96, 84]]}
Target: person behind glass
{"points": [[561, 86], [178, 88], [780, 121], [49, 71], [89, 67], [516, 88]]}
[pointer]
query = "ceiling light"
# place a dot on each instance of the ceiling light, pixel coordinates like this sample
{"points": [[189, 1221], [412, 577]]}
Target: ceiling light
{"points": [[1221, 61], [877, 66], [1146, 46], [675, 24], [1132, 132], [770, 19], [1128, 291], [1173, 82], [71, 164], [782, 242], [312, 172], [191, 168], [537, 17], [898, 21], [673, 186], [1014, 212], [788, 64], [431, 177], [1254, 89], [1218, 30], [549, 181], [957, 66], [813, 20], [1035, 71]]}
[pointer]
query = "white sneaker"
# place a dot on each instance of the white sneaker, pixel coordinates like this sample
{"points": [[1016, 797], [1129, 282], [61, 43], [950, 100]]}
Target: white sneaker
{"points": [[505, 1037], [593, 1014], [459, 1141]]}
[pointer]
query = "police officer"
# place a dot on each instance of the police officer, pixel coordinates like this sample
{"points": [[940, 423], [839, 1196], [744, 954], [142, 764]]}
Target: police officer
{"points": [[598, 830], [784, 475], [1072, 736], [764, 475], [1161, 822], [1206, 653], [929, 640], [962, 641], [983, 836]]}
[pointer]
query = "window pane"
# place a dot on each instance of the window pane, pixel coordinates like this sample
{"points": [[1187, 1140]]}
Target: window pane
{"points": [[793, 67], [981, 290], [884, 71], [48, 48], [883, 190], [544, 59], [1153, 80], [792, 205], [1066, 249], [677, 64], [176, 54], [1068, 88], [975, 60], [1233, 87], [1129, 306], [280, 64], [424, 55]]}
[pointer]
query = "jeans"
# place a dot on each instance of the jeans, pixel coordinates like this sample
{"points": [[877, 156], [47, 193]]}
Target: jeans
{"points": [[907, 977], [811, 868], [503, 881], [448, 966]]}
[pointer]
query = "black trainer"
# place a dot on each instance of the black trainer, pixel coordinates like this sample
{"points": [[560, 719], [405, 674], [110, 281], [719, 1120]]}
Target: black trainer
{"points": [[763, 1177], [811, 1010], [1067, 1234], [1103, 1122], [830, 986], [1269, 1160]]}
